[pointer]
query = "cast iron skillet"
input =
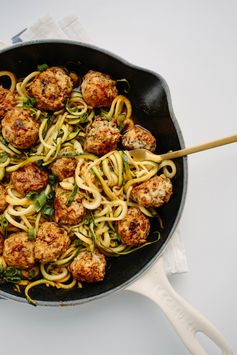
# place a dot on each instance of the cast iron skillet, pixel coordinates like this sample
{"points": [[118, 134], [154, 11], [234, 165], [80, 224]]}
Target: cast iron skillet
{"points": [[151, 102]]}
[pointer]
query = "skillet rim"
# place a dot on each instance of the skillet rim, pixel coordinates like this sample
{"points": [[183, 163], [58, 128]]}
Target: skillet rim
{"points": [[141, 272]]}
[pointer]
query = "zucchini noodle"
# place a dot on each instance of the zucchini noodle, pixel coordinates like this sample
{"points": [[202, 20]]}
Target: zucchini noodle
{"points": [[12, 77], [21, 211], [6, 149], [14, 222], [26, 221], [21, 87], [55, 276], [102, 185], [117, 107], [36, 283], [12, 199], [169, 168], [6, 163]]}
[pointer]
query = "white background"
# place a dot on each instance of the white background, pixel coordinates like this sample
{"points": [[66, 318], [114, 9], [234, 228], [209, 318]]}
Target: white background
{"points": [[193, 45]]}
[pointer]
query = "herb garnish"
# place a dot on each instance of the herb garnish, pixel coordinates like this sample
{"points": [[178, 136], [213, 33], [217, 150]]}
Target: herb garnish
{"points": [[42, 67], [9, 274], [73, 194]]}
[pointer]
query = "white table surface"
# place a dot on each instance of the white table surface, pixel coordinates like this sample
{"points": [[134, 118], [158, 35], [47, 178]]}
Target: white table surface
{"points": [[193, 45]]}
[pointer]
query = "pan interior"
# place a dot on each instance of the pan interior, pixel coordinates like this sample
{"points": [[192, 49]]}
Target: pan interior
{"points": [[151, 106]]}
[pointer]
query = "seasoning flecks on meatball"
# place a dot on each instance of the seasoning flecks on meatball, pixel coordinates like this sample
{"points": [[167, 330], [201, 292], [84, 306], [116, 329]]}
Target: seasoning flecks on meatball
{"points": [[154, 192], [51, 88], [29, 178], [18, 251], [7, 101], [65, 213], [3, 202], [138, 137], [19, 128], [64, 167], [50, 242], [1, 243], [134, 227], [98, 89], [102, 136], [88, 266]]}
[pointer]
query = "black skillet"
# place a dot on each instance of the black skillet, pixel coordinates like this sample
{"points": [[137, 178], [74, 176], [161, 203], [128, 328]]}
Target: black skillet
{"points": [[152, 109]]}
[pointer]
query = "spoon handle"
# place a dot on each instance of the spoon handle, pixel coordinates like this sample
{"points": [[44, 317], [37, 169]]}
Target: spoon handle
{"points": [[199, 148]]}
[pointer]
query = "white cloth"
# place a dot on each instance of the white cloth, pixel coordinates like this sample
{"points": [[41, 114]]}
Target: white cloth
{"points": [[46, 28], [69, 27]]}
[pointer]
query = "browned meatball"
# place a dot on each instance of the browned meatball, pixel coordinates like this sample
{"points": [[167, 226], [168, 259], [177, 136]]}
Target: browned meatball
{"points": [[98, 89], [154, 192], [1, 243], [19, 128], [3, 202], [29, 178], [88, 266], [138, 137], [19, 251], [64, 167], [51, 88], [50, 242], [101, 137], [7, 101], [134, 227], [72, 214]]}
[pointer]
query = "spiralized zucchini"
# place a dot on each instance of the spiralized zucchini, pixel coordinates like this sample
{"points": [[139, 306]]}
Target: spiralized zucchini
{"points": [[105, 183]]}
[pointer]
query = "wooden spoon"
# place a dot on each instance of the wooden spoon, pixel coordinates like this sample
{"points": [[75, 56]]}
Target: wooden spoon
{"points": [[143, 154]]}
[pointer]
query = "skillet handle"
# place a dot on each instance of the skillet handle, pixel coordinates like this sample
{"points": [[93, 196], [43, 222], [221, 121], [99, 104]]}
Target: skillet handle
{"points": [[185, 319]]}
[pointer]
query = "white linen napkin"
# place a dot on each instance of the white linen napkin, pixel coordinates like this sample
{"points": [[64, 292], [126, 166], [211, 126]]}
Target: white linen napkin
{"points": [[69, 27]]}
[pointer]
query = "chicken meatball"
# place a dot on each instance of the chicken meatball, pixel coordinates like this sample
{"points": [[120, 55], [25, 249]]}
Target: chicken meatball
{"points": [[18, 251], [102, 136], [138, 137], [19, 128], [7, 101], [1, 243], [51, 88], [88, 266], [29, 178], [65, 212], [50, 242], [3, 202], [64, 167], [154, 192], [134, 227], [98, 89]]}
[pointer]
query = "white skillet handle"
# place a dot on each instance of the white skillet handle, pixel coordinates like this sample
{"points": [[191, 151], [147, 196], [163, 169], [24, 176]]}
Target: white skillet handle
{"points": [[185, 319]]}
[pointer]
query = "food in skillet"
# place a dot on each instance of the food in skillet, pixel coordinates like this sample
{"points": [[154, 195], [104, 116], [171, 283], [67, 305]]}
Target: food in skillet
{"points": [[71, 195]]}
